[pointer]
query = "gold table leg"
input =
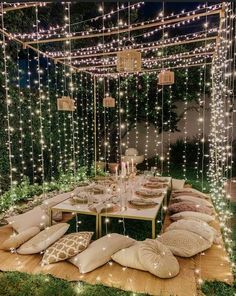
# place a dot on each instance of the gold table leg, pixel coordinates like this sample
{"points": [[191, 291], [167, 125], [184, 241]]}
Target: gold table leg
{"points": [[97, 226], [153, 228], [100, 225]]}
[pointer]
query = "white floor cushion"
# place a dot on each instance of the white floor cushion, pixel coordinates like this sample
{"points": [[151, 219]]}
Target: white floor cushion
{"points": [[195, 199], [200, 228], [158, 259], [192, 215], [36, 217], [129, 257], [44, 239], [16, 240], [100, 251], [184, 243]]}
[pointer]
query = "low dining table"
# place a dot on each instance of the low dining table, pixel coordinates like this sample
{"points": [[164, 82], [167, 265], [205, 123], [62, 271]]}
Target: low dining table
{"points": [[144, 213]]}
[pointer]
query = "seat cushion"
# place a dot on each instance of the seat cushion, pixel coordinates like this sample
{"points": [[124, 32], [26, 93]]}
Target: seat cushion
{"points": [[67, 247], [192, 215], [190, 191], [200, 228], [194, 199], [36, 217], [100, 251], [55, 200], [177, 184], [188, 206], [44, 239], [16, 240], [129, 257], [158, 259], [184, 243]]}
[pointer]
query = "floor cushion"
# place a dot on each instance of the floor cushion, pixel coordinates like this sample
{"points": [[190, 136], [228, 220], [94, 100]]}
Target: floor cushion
{"points": [[16, 240], [195, 199], [188, 206], [55, 200], [36, 217], [192, 215], [190, 191], [100, 251], [67, 247], [129, 257], [44, 239], [184, 243], [158, 259], [200, 228], [177, 184]]}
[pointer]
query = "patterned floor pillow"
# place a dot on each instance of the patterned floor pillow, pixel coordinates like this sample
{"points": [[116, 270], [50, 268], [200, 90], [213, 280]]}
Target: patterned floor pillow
{"points": [[67, 247]]}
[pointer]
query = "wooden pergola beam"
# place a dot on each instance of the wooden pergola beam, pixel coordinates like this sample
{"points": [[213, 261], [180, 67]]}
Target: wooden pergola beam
{"points": [[156, 60], [8, 35], [140, 48], [154, 70], [119, 31], [25, 5]]}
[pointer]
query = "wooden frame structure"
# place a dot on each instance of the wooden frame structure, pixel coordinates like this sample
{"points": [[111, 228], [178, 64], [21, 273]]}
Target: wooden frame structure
{"points": [[140, 26]]}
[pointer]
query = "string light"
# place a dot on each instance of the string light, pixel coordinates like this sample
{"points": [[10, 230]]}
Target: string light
{"points": [[19, 108], [40, 103], [169, 129], [147, 121], [8, 101], [31, 116], [185, 124], [58, 121], [136, 111]]}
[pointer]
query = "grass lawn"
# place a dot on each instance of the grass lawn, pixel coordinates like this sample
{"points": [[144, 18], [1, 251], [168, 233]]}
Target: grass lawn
{"points": [[22, 284]]}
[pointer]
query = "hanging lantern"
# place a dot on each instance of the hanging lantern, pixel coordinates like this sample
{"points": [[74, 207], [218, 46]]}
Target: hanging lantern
{"points": [[109, 102], [166, 77], [65, 104], [129, 61]]}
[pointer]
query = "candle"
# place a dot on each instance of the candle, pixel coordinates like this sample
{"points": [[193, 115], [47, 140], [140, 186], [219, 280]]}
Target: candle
{"points": [[128, 167], [132, 165], [116, 172]]}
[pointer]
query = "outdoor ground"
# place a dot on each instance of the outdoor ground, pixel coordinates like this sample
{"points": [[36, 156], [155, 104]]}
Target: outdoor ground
{"points": [[21, 284]]}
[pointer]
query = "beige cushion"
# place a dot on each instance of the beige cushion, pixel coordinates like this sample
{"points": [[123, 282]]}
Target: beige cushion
{"points": [[16, 240], [35, 217], [195, 199], [100, 251], [51, 202], [158, 259], [184, 206], [192, 215], [67, 247], [177, 184], [129, 257], [190, 191], [184, 243], [44, 239], [200, 228]]}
